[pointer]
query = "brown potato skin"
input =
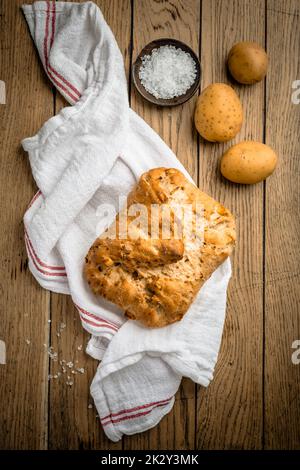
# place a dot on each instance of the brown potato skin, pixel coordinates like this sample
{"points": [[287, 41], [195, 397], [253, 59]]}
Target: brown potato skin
{"points": [[247, 62], [248, 162], [218, 113]]}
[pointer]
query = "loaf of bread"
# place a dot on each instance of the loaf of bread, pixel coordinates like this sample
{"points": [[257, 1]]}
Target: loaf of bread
{"points": [[154, 279]]}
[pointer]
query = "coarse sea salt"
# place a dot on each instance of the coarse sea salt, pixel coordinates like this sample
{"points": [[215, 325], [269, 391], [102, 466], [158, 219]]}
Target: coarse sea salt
{"points": [[167, 72]]}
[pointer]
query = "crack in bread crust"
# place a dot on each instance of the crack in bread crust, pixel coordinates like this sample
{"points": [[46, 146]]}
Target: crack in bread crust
{"points": [[155, 280]]}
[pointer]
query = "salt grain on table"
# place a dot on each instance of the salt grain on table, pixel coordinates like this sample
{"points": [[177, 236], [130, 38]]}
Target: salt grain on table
{"points": [[168, 72]]}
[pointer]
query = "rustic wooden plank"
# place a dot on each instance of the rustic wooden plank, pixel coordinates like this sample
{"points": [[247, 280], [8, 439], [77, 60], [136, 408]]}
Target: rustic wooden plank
{"points": [[282, 298], [24, 306], [230, 410], [72, 425], [180, 20]]}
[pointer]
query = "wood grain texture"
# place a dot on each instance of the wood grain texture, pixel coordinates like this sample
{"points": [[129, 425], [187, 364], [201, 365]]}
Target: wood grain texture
{"points": [[282, 297], [24, 307], [180, 20], [72, 425], [253, 401], [230, 410]]}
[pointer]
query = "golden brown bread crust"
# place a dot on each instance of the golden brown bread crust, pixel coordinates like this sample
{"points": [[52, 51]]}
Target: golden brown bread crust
{"points": [[156, 280]]}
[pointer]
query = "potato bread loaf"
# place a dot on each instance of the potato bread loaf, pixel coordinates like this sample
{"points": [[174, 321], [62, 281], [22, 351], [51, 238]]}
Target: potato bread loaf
{"points": [[155, 279]]}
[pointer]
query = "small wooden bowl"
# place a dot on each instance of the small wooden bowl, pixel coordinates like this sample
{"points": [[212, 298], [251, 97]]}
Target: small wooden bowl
{"points": [[147, 51]]}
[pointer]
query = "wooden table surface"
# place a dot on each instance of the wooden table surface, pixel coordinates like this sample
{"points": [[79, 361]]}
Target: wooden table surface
{"points": [[253, 401]]}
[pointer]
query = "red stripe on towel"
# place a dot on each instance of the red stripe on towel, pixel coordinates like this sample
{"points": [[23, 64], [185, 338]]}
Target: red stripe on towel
{"points": [[136, 408], [53, 23], [53, 11], [116, 325], [62, 87], [31, 256], [98, 325], [38, 194], [95, 318], [41, 263], [137, 415]]}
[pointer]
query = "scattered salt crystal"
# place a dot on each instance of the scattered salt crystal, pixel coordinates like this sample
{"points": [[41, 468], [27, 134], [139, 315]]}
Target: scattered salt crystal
{"points": [[90, 405], [80, 369], [27, 341], [52, 354], [79, 347], [49, 321], [168, 72], [70, 364]]}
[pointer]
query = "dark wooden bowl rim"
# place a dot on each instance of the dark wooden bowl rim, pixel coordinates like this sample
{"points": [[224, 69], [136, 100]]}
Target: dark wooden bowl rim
{"points": [[147, 51]]}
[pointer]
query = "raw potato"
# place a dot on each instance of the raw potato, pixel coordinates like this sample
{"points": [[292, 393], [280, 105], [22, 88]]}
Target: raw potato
{"points": [[219, 113], [248, 162], [247, 62]]}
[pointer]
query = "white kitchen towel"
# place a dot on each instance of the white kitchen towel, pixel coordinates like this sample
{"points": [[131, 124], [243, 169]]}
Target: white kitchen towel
{"points": [[142, 368], [85, 158]]}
